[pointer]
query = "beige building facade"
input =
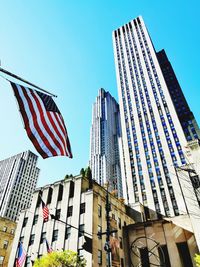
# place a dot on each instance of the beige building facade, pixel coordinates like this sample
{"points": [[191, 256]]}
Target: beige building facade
{"points": [[7, 231], [159, 243], [79, 205]]}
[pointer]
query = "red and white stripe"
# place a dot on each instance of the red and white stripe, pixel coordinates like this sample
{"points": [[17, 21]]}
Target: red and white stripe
{"points": [[46, 129], [45, 213]]}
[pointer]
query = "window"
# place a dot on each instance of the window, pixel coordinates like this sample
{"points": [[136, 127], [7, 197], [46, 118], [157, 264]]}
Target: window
{"points": [[71, 189], [35, 220], [39, 199], [60, 192], [164, 259], [25, 222], [67, 232], [81, 230], [28, 261], [58, 212], [82, 208], [99, 257], [70, 210], [184, 254], [12, 231], [144, 257], [99, 210], [5, 244], [99, 230], [1, 259], [31, 241], [21, 239], [43, 237], [120, 242], [119, 223], [80, 252], [55, 235], [49, 195]]}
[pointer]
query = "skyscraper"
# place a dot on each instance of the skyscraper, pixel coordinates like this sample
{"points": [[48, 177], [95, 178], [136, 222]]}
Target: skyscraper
{"points": [[185, 115], [18, 179], [105, 140], [153, 139]]}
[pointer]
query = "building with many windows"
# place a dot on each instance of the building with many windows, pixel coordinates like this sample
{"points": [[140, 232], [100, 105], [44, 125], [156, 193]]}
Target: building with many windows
{"points": [[18, 179], [185, 115], [7, 231], [154, 143], [105, 142], [78, 209]]}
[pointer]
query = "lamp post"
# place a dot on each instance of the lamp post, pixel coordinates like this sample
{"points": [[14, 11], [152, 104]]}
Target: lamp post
{"points": [[108, 232]]}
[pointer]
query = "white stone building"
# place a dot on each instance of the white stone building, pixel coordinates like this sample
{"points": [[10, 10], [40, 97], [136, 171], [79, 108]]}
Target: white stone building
{"points": [[81, 207], [18, 179], [154, 143]]}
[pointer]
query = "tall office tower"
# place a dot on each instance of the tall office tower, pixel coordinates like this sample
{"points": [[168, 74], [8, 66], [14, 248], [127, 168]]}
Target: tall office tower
{"points": [[18, 178], [153, 139], [105, 140], [185, 115]]}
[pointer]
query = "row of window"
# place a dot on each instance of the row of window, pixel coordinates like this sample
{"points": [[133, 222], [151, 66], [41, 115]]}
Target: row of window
{"points": [[60, 194], [161, 94], [130, 111], [55, 235], [139, 113], [5, 229], [57, 215]]}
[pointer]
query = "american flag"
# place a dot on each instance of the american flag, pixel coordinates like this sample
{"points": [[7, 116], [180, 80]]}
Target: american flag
{"points": [[43, 122], [21, 256], [49, 249], [45, 211]]}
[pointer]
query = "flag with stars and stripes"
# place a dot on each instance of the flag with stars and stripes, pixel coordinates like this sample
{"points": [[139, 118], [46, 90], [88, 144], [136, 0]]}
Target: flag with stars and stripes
{"points": [[45, 211], [43, 122], [49, 249], [21, 255]]}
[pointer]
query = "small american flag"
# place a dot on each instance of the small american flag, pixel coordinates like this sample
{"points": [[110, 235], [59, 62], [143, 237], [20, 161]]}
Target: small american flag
{"points": [[49, 249], [21, 256], [45, 211], [43, 122]]}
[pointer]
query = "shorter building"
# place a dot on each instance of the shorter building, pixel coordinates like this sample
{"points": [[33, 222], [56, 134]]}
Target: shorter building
{"points": [[18, 179], [79, 208], [7, 231], [160, 243]]}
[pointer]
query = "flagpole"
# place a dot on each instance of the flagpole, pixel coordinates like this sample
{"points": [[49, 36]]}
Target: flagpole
{"points": [[25, 81]]}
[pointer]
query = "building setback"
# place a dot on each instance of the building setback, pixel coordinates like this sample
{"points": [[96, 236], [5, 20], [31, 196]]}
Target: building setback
{"points": [[18, 179], [81, 206], [154, 143], [105, 140], [185, 115]]}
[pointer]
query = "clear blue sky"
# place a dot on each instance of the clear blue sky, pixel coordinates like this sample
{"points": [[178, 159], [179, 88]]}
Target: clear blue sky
{"points": [[66, 47]]}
